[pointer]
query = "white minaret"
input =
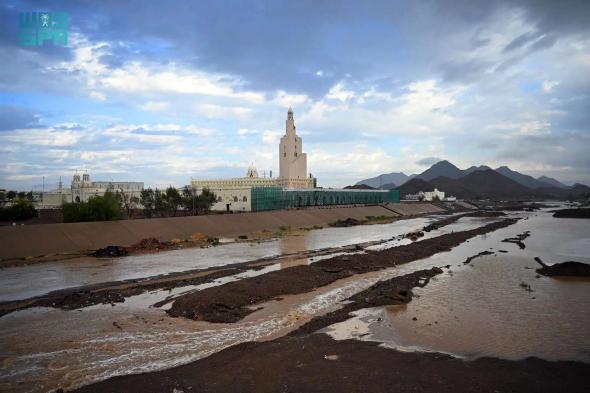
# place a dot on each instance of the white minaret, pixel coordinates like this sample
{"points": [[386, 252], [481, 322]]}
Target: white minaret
{"points": [[292, 160]]}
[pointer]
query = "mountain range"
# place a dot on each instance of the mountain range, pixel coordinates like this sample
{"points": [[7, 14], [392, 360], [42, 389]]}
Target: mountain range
{"points": [[476, 182]]}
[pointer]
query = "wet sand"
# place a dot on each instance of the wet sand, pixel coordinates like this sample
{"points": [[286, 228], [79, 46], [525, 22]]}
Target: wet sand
{"points": [[318, 363]]}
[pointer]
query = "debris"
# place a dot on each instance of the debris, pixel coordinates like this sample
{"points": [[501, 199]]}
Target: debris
{"points": [[110, 251]]}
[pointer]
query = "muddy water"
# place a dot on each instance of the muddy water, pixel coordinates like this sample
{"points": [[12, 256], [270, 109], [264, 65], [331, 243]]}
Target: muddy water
{"points": [[67, 349], [482, 309], [15, 282]]}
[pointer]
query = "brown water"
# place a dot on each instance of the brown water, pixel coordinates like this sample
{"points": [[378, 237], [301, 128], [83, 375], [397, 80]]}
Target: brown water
{"points": [[481, 309], [66, 349]]}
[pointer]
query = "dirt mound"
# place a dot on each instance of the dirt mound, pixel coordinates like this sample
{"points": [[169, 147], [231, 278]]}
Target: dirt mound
{"points": [[564, 269], [349, 222], [572, 213]]}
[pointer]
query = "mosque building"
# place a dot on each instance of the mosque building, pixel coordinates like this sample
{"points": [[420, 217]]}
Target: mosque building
{"points": [[82, 189], [293, 188]]}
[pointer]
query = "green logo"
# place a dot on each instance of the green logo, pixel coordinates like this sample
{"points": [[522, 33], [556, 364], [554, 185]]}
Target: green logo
{"points": [[35, 28]]}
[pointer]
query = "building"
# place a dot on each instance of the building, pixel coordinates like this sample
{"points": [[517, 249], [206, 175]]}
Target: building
{"points": [[292, 160], [430, 196], [234, 194], [81, 189]]}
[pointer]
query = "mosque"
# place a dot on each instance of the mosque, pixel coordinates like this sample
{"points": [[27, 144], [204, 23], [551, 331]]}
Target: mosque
{"points": [[293, 188]]}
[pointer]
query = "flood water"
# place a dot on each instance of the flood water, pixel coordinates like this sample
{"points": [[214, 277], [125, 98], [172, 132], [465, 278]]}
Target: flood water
{"points": [[15, 282], [477, 310], [484, 309]]}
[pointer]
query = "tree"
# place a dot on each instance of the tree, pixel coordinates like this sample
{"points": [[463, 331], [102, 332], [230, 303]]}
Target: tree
{"points": [[189, 199], [205, 200], [98, 208], [148, 202], [127, 201], [173, 200], [21, 209], [160, 204], [11, 195]]}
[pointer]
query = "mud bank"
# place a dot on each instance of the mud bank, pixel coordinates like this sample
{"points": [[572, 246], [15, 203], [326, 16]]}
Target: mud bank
{"points": [[318, 363], [397, 290], [313, 362], [28, 241], [572, 213], [233, 301], [564, 269]]}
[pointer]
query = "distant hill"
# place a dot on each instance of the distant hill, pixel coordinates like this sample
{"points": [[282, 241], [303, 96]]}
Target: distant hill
{"points": [[552, 182], [525, 180], [414, 186], [491, 184], [441, 168], [475, 168], [395, 178], [454, 187], [477, 182], [359, 187]]}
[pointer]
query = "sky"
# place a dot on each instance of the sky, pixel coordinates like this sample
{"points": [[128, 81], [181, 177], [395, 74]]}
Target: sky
{"points": [[162, 92]]}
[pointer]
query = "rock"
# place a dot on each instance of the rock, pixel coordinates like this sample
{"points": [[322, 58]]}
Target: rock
{"points": [[110, 251], [414, 319], [437, 270]]}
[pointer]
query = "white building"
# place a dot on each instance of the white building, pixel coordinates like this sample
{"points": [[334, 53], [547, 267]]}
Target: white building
{"points": [[82, 189], [428, 196], [234, 194]]}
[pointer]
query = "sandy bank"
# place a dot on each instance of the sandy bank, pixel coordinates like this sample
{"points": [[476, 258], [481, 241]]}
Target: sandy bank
{"points": [[38, 240]]}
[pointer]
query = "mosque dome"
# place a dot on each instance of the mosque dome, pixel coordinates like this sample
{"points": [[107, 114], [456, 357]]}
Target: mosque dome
{"points": [[252, 172]]}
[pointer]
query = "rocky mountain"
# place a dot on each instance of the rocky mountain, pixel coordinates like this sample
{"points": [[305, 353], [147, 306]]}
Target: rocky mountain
{"points": [[525, 180], [475, 168], [441, 168], [552, 182], [394, 178], [477, 182]]}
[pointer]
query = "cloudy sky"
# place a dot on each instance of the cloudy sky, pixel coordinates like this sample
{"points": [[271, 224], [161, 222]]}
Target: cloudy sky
{"points": [[164, 91]]}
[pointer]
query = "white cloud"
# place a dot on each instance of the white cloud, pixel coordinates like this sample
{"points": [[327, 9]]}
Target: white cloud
{"points": [[549, 85], [218, 111], [155, 106], [338, 92]]}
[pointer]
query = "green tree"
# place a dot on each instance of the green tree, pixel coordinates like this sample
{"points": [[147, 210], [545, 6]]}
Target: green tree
{"points": [[98, 208], [205, 200], [11, 195], [21, 209], [189, 199], [160, 204], [148, 202], [173, 200]]}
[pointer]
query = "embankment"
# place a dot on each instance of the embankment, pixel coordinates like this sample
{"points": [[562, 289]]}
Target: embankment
{"points": [[38, 240]]}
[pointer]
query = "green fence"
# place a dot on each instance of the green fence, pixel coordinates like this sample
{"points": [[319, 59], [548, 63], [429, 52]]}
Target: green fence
{"points": [[273, 198]]}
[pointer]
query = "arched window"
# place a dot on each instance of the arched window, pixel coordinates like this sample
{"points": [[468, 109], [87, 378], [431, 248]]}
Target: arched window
{"points": [[235, 199], [244, 199], [219, 199], [78, 199]]}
